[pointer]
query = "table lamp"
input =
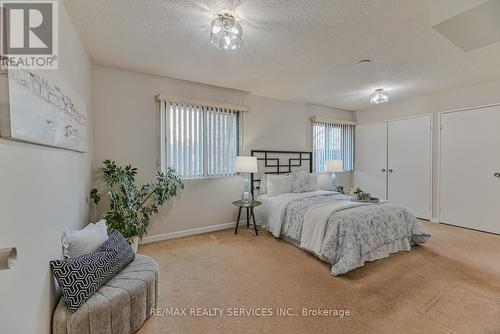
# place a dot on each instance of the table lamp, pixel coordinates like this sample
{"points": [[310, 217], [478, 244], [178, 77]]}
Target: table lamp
{"points": [[334, 166], [246, 165]]}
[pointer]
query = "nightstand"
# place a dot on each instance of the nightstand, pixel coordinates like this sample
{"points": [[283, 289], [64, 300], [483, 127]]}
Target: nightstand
{"points": [[250, 214]]}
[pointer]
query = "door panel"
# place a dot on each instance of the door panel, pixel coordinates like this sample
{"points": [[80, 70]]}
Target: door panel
{"points": [[409, 164], [370, 161], [469, 191]]}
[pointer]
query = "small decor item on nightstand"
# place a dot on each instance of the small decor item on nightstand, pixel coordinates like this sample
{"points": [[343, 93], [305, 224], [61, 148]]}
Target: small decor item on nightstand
{"points": [[246, 165], [340, 189], [246, 197]]}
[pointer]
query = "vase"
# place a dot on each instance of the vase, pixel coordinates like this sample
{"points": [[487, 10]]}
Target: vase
{"points": [[246, 198], [246, 195], [134, 243], [355, 196]]}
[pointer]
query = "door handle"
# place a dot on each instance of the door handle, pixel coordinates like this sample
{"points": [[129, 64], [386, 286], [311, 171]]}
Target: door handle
{"points": [[383, 170], [496, 174], [390, 170]]}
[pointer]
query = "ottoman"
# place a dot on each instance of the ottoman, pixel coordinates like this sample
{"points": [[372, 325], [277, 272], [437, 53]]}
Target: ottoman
{"points": [[120, 306]]}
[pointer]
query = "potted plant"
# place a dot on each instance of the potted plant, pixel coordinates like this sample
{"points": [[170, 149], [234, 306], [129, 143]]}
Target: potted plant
{"points": [[354, 192], [131, 207]]}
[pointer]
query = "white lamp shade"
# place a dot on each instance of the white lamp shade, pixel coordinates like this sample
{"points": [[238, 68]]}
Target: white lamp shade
{"points": [[246, 164], [334, 166]]}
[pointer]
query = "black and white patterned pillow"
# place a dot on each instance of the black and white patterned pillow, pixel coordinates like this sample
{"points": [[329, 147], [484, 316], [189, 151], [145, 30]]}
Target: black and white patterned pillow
{"points": [[124, 253], [80, 277]]}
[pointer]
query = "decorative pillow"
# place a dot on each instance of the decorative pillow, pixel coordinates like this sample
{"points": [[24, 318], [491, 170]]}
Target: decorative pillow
{"points": [[118, 244], [85, 241], [325, 182], [263, 184], [278, 184], [80, 277], [304, 181]]}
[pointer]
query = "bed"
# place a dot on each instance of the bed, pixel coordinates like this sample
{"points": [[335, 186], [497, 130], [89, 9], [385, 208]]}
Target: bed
{"points": [[328, 224]]}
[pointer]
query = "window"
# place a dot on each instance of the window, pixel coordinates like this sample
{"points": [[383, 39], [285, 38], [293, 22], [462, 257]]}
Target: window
{"points": [[198, 140], [332, 141]]}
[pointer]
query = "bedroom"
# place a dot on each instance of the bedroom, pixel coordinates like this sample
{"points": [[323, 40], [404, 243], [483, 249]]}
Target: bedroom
{"points": [[296, 89]]}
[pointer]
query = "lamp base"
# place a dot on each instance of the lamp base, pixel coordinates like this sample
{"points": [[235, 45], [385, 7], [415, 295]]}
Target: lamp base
{"points": [[333, 182], [246, 198]]}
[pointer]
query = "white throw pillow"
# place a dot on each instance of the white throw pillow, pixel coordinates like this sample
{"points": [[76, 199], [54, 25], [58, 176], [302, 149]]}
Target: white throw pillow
{"points": [[278, 184], [85, 241], [324, 181]]}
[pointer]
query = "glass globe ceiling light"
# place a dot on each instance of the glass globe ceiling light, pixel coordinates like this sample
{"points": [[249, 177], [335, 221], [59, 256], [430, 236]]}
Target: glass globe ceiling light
{"points": [[225, 32], [379, 96]]}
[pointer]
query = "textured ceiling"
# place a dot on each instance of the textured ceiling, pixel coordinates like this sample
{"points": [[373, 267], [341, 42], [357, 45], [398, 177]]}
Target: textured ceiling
{"points": [[297, 50]]}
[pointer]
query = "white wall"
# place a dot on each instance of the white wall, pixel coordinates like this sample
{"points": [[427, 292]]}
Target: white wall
{"points": [[42, 192], [125, 130], [465, 97]]}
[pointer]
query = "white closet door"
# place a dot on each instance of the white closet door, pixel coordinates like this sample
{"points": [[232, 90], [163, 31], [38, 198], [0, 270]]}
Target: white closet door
{"points": [[409, 164], [470, 157], [370, 160]]}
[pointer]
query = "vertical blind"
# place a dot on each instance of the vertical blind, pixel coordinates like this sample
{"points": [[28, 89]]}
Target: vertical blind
{"points": [[198, 141], [333, 141]]}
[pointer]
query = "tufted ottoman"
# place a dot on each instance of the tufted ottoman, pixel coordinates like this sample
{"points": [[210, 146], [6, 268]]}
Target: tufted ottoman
{"points": [[120, 306]]}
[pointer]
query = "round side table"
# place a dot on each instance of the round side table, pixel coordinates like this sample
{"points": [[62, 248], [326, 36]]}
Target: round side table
{"points": [[250, 215]]}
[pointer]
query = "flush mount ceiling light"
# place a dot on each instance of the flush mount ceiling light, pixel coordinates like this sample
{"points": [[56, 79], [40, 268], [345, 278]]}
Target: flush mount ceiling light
{"points": [[379, 96], [225, 32]]}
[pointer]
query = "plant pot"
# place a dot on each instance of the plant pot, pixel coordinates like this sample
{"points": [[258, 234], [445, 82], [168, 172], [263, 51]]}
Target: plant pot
{"points": [[134, 243], [355, 196]]}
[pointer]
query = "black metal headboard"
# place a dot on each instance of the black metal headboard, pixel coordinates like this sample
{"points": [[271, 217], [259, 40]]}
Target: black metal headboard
{"points": [[272, 164]]}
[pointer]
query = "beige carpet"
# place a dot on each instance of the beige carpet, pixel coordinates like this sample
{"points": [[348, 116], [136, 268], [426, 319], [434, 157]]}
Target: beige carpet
{"points": [[449, 285]]}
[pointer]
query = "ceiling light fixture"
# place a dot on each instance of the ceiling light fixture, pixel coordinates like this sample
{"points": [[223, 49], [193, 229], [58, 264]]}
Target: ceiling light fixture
{"points": [[379, 96], [225, 32]]}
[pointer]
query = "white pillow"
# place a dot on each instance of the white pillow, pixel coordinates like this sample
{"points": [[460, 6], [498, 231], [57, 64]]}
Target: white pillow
{"points": [[278, 184], [324, 181], [85, 241]]}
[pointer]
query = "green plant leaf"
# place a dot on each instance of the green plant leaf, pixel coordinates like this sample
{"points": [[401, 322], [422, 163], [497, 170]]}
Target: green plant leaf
{"points": [[131, 208]]}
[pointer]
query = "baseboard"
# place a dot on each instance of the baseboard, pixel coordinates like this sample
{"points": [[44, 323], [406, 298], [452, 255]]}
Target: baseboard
{"points": [[434, 220], [185, 233]]}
